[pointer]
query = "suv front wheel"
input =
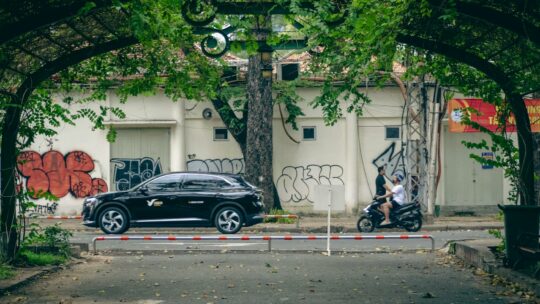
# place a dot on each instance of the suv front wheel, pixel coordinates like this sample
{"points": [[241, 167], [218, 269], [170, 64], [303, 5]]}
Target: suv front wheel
{"points": [[113, 220], [229, 220]]}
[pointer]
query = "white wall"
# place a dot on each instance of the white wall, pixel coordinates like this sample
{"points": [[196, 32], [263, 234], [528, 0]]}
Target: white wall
{"points": [[298, 167], [73, 138]]}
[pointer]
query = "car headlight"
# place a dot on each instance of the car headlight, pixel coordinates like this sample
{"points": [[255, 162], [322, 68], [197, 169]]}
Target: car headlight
{"points": [[90, 201]]}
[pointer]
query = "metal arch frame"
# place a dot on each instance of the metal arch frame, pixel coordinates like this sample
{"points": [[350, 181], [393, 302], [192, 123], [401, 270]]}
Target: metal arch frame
{"points": [[256, 8]]}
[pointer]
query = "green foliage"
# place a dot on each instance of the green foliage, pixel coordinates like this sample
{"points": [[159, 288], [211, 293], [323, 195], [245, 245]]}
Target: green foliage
{"points": [[53, 237], [41, 258], [286, 94], [45, 246], [6, 272], [498, 234]]}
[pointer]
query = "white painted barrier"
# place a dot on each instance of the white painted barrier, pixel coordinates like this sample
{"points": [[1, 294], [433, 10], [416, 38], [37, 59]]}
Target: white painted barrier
{"points": [[268, 238]]}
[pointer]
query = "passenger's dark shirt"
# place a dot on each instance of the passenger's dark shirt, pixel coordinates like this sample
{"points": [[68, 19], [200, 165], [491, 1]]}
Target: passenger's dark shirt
{"points": [[379, 185]]}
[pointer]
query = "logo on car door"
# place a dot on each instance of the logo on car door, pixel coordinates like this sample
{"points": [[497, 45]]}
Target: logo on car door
{"points": [[154, 202]]}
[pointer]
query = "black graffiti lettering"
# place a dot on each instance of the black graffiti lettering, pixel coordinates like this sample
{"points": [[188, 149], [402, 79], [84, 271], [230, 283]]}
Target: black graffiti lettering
{"points": [[295, 184], [129, 172], [223, 165], [392, 161], [39, 209]]}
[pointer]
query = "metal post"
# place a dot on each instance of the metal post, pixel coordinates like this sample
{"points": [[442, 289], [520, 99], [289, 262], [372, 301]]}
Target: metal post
{"points": [[432, 176], [328, 228], [94, 249]]}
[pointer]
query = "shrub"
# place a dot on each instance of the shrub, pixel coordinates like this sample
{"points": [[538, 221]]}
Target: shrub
{"points": [[6, 272]]}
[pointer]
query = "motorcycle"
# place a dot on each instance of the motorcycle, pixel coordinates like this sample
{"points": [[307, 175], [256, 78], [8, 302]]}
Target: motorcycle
{"points": [[408, 217]]}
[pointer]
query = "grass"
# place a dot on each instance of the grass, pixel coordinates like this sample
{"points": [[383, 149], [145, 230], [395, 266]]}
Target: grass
{"points": [[43, 259], [6, 272]]}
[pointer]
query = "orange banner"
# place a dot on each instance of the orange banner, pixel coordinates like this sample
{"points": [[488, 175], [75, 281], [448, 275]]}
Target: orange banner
{"points": [[487, 115]]}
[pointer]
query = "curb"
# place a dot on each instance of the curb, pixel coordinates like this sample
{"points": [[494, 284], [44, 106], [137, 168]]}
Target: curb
{"points": [[476, 253], [26, 279], [318, 229], [125, 252]]}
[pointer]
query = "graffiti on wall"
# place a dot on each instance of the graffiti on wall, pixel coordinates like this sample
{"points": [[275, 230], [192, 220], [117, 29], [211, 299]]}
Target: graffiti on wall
{"points": [[129, 172], [296, 184], [392, 160], [40, 209], [224, 165], [58, 174]]}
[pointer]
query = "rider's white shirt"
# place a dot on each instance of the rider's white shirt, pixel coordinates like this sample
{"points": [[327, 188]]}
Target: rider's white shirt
{"points": [[398, 194]]}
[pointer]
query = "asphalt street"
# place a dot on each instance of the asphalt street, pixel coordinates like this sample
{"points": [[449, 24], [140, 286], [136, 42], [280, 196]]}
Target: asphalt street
{"points": [[441, 238], [264, 278]]}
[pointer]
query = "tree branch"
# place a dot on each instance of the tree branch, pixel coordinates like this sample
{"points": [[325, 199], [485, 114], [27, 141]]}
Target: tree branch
{"points": [[504, 20], [235, 125]]}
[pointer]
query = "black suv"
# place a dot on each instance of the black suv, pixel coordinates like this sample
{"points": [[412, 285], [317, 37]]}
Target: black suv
{"points": [[179, 199]]}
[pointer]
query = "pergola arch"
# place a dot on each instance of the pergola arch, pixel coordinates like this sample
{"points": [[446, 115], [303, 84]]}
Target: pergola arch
{"points": [[39, 39]]}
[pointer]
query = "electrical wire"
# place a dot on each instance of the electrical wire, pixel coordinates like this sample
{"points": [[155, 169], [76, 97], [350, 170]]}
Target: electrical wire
{"points": [[363, 165]]}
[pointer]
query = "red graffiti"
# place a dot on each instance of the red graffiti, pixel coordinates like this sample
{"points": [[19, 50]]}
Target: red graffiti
{"points": [[59, 175]]}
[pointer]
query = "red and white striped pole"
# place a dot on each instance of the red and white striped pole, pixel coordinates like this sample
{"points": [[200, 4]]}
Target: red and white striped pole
{"points": [[56, 217], [268, 238]]}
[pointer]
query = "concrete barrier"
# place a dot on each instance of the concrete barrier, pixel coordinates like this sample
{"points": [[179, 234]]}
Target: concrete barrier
{"points": [[268, 238]]}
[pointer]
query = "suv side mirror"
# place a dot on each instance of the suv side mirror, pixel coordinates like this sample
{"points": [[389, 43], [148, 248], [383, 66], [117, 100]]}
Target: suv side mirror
{"points": [[143, 189]]}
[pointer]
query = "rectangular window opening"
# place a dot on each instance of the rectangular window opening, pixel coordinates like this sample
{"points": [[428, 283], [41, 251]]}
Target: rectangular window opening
{"points": [[309, 133], [290, 71], [221, 134], [392, 132]]}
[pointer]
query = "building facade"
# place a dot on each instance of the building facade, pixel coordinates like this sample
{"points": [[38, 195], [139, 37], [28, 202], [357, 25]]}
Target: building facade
{"points": [[159, 135]]}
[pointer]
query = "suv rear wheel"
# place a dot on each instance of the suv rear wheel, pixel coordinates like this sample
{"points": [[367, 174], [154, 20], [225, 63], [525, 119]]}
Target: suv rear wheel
{"points": [[229, 220]]}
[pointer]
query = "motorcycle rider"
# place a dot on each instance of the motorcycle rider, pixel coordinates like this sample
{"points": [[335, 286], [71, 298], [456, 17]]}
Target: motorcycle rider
{"points": [[398, 198], [380, 184]]}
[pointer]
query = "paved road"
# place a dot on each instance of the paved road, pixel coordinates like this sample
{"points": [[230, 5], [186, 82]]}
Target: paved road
{"points": [[441, 238], [263, 278]]}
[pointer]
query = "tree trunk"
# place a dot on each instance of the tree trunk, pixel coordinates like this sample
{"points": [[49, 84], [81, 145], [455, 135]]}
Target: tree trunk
{"points": [[258, 156], [8, 161], [232, 122], [526, 150], [536, 139]]}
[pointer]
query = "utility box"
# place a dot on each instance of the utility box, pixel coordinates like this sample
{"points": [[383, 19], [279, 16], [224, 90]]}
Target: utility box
{"points": [[326, 193]]}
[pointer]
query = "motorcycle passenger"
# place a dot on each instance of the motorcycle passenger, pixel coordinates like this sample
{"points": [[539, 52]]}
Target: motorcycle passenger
{"points": [[398, 198]]}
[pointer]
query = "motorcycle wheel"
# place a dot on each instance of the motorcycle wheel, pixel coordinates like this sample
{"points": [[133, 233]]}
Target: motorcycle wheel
{"points": [[365, 224], [416, 224]]}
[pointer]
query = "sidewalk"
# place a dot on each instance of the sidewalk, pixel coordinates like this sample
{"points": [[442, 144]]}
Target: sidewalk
{"points": [[477, 253], [308, 224]]}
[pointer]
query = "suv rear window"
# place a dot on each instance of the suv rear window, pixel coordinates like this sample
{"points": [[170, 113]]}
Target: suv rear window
{"points": [[238, 181]]}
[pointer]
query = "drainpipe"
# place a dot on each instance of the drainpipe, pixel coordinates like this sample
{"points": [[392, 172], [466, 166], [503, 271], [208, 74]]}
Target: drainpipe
{"points": [[178, 138], [351, 168]]}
